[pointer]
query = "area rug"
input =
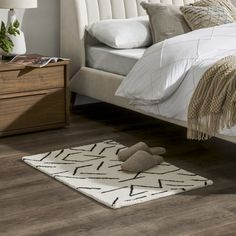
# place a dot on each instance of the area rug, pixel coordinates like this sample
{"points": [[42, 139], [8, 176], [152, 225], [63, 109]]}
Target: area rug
{"points": [[94, 170]]}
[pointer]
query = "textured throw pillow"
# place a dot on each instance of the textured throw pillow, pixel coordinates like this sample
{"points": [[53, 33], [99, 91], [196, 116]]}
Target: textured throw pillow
{"points": [[123, 33], [224, 3], [166, 21], [204, 17]]}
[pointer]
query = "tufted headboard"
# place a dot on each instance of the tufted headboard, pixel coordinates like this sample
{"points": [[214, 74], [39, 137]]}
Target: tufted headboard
{"points": [[77, 14]]}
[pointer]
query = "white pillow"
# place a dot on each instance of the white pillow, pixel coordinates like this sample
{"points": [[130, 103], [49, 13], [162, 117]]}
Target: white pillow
{"points": [[123, 33]]}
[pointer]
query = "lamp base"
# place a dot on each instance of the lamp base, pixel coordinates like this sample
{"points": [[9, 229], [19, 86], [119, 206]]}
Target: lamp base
{"points": [[7, 58], [18, 40]]}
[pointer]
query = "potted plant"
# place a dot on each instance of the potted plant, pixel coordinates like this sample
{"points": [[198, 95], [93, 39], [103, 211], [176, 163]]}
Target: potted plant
{"points": [[7, 34]]}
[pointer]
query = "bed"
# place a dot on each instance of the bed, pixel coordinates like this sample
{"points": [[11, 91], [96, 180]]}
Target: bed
{"points": [[99, 82]]}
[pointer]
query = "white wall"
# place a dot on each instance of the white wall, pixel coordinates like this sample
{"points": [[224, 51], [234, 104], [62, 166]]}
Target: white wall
{"points": [[41, 27]]}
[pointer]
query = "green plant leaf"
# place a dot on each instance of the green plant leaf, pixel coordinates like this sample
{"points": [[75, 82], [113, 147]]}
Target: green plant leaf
{"points": [[16, 24], [6, 43], [3, 28], [18, 31]]}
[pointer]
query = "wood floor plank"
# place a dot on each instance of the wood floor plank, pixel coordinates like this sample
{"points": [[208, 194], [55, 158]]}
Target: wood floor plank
{"points": [[31, 203]]}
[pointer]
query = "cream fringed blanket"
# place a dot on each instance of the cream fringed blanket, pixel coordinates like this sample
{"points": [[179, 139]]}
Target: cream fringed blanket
{"points": [[213, 105]]}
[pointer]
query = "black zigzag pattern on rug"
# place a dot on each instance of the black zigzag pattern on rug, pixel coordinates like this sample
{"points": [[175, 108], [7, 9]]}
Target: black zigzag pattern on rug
{"points": [[94, 170]]}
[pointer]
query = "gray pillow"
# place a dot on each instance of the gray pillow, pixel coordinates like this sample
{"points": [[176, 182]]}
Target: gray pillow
{"points": [[166, 21], [204, 17], [223, 3]]}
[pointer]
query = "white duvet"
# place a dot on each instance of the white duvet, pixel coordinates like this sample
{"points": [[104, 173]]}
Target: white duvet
{"points": [[164, 79]]}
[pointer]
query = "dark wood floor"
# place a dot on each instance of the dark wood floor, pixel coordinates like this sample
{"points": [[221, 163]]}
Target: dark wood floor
{"points": [[31, 203]]}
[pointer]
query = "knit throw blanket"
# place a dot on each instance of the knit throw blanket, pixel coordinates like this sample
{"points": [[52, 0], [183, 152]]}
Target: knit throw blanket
{"points": [[213, 105]]}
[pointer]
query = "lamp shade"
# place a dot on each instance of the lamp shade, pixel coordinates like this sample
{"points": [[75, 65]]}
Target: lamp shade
{"points": [[14, 4]]}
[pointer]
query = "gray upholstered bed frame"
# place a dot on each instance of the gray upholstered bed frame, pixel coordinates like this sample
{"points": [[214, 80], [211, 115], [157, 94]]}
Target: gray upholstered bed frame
{"points": [[75, 16]]}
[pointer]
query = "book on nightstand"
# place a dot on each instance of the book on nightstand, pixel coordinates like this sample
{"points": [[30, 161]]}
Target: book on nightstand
{"points": [[35, 60]]}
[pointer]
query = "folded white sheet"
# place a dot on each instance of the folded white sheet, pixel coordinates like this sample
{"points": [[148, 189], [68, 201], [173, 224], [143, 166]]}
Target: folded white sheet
{"points": [[113, 60]]}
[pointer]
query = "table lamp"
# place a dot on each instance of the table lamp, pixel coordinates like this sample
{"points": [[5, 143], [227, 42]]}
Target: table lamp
{"points": [[18, 40]]}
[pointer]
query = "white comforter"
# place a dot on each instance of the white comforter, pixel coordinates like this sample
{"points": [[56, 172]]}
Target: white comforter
{"points": [[164, 79]]}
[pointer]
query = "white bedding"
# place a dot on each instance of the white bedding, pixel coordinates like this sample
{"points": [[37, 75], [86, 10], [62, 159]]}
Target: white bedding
{"points": [[164, 79], [113, 60]]}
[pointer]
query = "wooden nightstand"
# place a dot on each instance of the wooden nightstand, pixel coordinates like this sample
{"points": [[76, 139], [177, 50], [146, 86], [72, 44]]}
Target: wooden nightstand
{"points": [[33, 99]]}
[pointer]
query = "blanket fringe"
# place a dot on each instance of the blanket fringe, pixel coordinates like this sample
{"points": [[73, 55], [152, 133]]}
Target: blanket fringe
{"points": [[213, 105]]}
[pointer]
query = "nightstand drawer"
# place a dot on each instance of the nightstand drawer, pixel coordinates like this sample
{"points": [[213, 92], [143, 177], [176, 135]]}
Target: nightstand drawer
{"points": [[33, 109], [29, 79]]}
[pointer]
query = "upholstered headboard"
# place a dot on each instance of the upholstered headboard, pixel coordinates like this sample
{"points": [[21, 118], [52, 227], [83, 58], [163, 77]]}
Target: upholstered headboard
{"points": [[77, 14]]}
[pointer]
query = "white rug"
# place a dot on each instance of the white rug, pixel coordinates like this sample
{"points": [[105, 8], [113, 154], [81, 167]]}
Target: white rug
{"points": [[94, 170]]}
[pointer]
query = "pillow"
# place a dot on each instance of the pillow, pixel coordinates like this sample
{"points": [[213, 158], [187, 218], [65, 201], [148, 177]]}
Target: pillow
{"points": [[204, 17], [123, 33], [224, 3], [166, 21]]}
